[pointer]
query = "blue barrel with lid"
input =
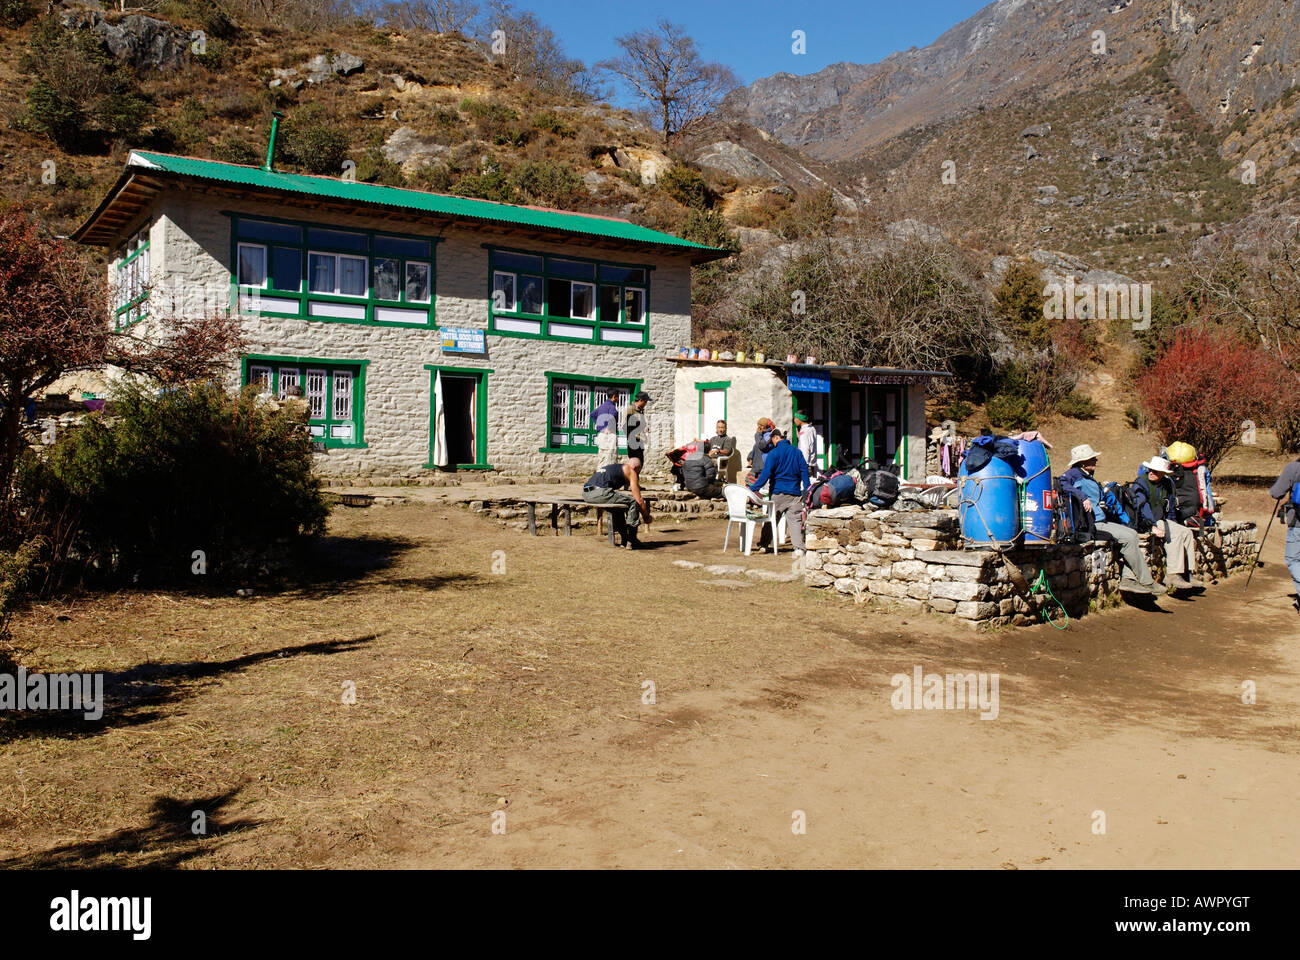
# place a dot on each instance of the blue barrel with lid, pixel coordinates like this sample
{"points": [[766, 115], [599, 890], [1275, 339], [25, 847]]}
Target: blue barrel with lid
{"points": [[1036, 486], [989, 503]]}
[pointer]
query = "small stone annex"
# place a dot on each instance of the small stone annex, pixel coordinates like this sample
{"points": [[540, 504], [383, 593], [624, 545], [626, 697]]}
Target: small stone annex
{"points": [[915, 559]]}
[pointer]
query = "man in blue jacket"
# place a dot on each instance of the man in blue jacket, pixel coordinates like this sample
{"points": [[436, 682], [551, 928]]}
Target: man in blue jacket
{"points": [[1281, 491], [787, 470], [1079, 481]]}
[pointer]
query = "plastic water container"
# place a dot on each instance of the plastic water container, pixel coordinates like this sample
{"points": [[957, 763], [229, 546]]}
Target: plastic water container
{"points": [[989, 503], [1035, 471]]}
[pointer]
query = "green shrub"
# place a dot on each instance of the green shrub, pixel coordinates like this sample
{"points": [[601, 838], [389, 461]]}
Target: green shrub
{"points": [[1136, 418], [553, 124], [709, 227], [956, 411], [193, 468], [549, 182], [233, 150], [1077, 406], [432, 176], [314, 141], [486, 186], [14, 13], [1010, 412], [686, 186], [18, 569]]}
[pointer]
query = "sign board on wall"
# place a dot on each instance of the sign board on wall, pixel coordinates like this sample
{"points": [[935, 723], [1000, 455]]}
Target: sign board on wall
{"points": [[463, 340], [891, 379], [808, 384]]}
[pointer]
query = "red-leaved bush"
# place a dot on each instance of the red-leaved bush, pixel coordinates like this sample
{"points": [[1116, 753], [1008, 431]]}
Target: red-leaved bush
{"points": [[1207, 384]]}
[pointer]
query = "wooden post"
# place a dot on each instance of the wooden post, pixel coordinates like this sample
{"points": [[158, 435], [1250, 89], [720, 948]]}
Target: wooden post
{"points": [[532, 518]]}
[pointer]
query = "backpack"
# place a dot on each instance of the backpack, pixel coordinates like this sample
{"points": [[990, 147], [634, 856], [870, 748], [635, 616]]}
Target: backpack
{"points": [[877, 484], [838, 489], [1295, 495], [1120, 503]]}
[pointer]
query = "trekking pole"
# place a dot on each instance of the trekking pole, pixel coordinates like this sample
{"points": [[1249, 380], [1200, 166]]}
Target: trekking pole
{"points": [[1260, 549]]}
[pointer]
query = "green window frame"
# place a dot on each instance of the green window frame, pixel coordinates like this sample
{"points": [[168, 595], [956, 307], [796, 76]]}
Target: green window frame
{"points": [[569, 406], [131, 282], [616, 298], [274, 265], [339, 385], [480, 415], [706, 430]]}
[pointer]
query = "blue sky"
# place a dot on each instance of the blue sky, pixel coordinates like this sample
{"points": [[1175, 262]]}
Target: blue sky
{"points": [[753, 36]]}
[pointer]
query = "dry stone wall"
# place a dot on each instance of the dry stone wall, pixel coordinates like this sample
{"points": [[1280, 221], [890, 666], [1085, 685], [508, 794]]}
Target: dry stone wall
{"points": [[916, 560]]}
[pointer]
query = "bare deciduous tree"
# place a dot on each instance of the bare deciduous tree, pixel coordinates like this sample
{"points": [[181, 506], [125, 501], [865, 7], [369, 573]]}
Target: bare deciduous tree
{"points": [[436, 16], [531, 51], [664, 67]]}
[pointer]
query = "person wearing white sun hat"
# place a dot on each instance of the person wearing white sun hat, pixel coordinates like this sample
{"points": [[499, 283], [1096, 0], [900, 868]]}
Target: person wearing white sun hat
{"points": [[1157, 503], [1079, 482]]}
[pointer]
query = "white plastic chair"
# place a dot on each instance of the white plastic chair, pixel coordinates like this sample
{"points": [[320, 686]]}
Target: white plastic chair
{"points": [[738, 503]]}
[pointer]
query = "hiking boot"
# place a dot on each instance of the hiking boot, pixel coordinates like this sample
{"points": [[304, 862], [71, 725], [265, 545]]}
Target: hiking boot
{"points": [[1195, 584], [1127, 585], [1178, 582]]}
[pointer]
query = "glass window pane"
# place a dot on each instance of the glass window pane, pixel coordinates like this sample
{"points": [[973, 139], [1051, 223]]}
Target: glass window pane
{"points": [[286, 269], [316, 394], [576, 269], [388, 282], [265, 230], [615, 274], [503, 292], [584, 301], [336, 240], [321, 273], [352, 276], [608, 304], [417, 282], [342, 395], [402, 247], [557, 298], [530, 295], [634, 304], [252, 268], [516, 261]]}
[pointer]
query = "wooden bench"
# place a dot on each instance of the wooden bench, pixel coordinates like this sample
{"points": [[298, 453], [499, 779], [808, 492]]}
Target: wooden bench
{"points": [[563, 506]]}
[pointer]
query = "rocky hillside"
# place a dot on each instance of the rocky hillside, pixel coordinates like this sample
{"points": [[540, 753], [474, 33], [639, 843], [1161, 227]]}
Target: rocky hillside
{"points": [[1187, 119]]}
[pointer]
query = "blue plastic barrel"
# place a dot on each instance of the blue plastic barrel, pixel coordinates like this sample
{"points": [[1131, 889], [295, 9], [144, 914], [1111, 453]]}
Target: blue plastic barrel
{"points": [[989, 503], [1036, 483]]}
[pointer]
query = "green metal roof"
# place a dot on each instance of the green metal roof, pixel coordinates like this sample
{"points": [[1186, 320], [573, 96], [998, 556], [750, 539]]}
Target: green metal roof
{"points": [[412, 200]]}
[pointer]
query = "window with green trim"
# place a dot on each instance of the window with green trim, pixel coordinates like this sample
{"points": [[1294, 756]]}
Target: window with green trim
{"points": [[334, 393], [131, 281], [570, 421], [288, 269], [568, 298]]}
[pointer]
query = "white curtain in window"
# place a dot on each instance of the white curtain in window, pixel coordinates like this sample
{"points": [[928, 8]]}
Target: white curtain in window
{"points": [[439, 424]]}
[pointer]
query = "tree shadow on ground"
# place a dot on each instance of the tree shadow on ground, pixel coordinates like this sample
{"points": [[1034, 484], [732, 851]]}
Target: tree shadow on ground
{"points": [[164, 842], [139, 694]]}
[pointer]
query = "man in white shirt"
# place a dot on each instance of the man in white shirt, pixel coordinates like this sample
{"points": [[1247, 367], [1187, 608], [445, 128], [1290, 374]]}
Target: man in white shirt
{"points": [[807, 438]]}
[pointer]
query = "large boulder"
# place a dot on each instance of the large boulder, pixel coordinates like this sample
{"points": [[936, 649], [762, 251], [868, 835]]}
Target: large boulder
{"points": [[736, 161], [144, 43], [323, 66], [409, 150]]}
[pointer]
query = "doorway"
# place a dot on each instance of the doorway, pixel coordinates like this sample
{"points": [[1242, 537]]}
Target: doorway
{"points": [[886, 413], [459, 404], [461, 420]]}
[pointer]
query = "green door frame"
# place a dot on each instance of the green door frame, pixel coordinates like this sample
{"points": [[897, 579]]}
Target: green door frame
{"points": [[480, 415], [724, 386]]}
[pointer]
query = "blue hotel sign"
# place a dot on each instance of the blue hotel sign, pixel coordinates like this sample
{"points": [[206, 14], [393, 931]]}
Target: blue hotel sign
{"points": [[463, 340], [809, 384]]}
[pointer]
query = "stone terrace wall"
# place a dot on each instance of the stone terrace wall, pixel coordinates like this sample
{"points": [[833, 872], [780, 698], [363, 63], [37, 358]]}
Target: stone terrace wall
{"points": [[915, 560]]}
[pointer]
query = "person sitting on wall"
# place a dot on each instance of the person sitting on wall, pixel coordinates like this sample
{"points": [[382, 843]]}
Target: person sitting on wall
{"points": [[693, 469], [787, 471], [1079, 481], [720, 448], [1157, 504], [617, 486]]}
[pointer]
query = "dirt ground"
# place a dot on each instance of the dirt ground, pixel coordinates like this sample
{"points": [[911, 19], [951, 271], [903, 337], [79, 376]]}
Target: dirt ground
{"points": [[514, 700]]}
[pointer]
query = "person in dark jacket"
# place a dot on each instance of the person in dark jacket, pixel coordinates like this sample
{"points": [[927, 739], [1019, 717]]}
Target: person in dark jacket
{"points": [[1281, 490], [1079, 481], [787, 471], [1156, 503]]}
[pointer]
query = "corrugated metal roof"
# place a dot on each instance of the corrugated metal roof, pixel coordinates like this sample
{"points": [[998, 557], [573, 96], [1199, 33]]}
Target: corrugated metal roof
{"points": [[413, 200]]}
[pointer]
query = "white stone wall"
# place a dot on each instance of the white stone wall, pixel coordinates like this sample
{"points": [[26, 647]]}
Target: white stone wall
{"points": [[192, 252]]}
